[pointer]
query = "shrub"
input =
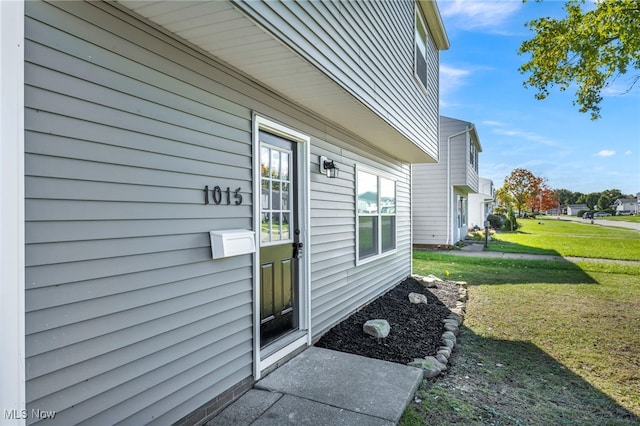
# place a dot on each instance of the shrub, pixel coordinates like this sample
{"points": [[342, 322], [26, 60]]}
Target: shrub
{"points": [[511, 224], [496, 221]]}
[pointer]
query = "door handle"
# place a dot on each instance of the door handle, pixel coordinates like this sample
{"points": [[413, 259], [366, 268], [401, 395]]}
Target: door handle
{"points": [[297, 250]]}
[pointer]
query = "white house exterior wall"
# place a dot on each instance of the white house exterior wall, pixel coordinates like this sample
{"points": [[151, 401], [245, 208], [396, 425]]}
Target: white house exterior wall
{"points": [[128, 319], [430, 209], [436, 186], [368, 48], [480, 203]]}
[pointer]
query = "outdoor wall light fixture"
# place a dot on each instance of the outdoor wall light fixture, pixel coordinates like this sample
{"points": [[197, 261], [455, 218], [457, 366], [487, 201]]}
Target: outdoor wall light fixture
{"points": [[328, 167]]}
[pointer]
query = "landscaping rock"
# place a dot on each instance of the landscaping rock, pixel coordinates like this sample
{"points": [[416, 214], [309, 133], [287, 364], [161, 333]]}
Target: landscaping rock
{"points": [[418, 298], [448, 343], [429, 281], [456, 317], [451, 327], [431, 366], [443, 359], [377, 328], [444, 351], [447, 335]]}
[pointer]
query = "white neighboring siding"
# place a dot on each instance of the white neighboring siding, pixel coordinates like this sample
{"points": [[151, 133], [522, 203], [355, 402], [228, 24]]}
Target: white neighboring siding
{"points": [[128, 318], [429, 215], [367, 47], [434, 183]]}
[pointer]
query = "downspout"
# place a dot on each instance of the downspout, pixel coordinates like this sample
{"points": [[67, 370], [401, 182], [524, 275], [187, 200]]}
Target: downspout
{"points": [[449, 189]]}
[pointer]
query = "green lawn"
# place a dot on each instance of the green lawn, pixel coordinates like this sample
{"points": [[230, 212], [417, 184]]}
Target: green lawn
{"points": [[565, 238], [544, 342]]}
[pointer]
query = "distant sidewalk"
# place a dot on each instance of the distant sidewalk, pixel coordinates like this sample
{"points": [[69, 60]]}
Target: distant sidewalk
{"points": [[477, 250], [602, 222]]}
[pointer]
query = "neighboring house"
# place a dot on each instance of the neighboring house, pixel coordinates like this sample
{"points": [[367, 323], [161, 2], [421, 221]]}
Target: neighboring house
{"points": [[137, 128], [481, 203], [626, 205], [441, 190], [573, 209]]}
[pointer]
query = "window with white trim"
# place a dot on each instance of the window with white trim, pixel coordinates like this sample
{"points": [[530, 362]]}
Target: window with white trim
{"points": [[421, 34], [376, 214]]}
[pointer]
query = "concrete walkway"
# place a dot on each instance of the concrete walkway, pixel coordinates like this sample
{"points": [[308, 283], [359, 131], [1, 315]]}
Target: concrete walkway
{"points": [[603, 222], [477, 250], [324, 387]]}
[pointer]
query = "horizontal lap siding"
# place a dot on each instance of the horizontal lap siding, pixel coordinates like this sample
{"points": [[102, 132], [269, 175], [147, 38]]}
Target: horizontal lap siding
{"points": [[127, 315], [429, 212], [338, 286], [367, 47]]}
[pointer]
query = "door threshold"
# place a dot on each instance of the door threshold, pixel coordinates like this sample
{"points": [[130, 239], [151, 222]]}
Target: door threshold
{"points": [[280, 348]]}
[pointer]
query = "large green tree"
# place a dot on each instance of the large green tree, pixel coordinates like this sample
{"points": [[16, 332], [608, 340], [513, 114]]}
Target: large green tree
{"points": [[589, 48], [520, 185], [591, 200]]}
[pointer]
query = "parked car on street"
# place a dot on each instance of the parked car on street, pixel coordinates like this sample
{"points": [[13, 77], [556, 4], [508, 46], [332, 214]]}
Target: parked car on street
{"points": [[601, 214], [587, 215], [623, 213]]}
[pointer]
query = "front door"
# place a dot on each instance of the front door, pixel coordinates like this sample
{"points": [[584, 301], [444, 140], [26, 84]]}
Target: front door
{"points": [[279, 238]]}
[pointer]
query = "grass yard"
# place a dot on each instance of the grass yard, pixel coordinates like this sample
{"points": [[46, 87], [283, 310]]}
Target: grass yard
{"points": [[565, 238], [544, 342]]}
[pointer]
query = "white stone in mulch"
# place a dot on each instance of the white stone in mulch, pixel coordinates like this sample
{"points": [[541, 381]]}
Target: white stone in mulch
{"points": [[430, 280], [418, 298], [379, 328]]}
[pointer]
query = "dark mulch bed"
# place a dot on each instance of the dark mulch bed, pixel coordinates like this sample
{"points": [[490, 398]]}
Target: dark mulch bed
{"points": [[416, 329]]}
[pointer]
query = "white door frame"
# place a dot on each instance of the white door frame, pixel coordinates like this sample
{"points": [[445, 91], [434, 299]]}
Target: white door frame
{"points": [[12, 215], [303, 143]]}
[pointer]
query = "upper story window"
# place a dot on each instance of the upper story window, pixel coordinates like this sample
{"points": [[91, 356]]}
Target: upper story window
{"points": [[376, 213], [420, 67], [473, 155]]}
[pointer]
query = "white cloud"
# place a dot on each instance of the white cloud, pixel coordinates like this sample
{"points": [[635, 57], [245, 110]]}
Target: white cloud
{"points": [[479, 14], [627, 152], [606, 153], [521, 134], [452, 78], [493, 123]]}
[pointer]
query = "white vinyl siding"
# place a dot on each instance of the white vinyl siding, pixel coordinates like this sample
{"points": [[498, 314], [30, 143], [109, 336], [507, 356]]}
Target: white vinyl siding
{"points": [[128, 319], [368, 48], [436, 186], [339, 284]]}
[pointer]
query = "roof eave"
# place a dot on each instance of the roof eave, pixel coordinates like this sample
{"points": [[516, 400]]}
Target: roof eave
{"points": [[434, 21]]}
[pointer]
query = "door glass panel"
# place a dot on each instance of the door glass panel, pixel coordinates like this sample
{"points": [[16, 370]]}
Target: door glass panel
{"points": [[286, 235], [264, 162], [284, 166], [285, 196], [276, 197], [265, 227], [266, 195], [275, 164]]}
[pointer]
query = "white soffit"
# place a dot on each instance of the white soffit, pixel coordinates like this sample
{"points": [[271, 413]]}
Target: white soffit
{"points": [[219, 28]]}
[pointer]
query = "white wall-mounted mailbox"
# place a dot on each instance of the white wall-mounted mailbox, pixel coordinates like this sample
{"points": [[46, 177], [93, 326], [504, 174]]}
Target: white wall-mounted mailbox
{"points": [[232, 242]]}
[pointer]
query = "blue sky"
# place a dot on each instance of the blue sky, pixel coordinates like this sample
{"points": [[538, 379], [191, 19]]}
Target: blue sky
{"points": [[480, 83]]}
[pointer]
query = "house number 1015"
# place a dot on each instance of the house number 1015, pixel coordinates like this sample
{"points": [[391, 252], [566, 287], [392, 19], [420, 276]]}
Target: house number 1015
{"points": [[217, 194]]}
